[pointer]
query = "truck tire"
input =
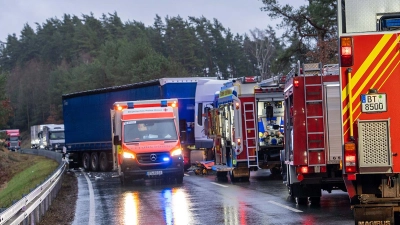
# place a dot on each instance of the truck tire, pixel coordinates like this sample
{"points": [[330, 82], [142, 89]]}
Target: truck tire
{"points": [[232, 176], [301, 200], [94, 162], [103, 160], [86, 161], [315, 200]]}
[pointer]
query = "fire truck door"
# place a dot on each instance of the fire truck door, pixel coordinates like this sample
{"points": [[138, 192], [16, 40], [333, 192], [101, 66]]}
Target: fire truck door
{"points": [[332, 124]]}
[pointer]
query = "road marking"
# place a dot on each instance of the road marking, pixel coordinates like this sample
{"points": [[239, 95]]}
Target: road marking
{"points": [[186, 175], [285, 206], [219, 184], [91, 201]]}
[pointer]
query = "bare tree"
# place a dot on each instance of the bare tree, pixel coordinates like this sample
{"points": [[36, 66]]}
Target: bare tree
{"points": [[262, 49]]}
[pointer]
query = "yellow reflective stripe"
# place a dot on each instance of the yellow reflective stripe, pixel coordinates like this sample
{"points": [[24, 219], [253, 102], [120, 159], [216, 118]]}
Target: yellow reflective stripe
{"points": [[364, 66], [380, 75]]}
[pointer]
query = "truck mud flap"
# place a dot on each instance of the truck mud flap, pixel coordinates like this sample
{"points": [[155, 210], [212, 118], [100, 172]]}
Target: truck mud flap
{"points": [[373, 215]]}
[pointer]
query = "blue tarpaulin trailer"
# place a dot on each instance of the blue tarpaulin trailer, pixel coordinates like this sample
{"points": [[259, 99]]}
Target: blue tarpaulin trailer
{"points": [[87, 116]]}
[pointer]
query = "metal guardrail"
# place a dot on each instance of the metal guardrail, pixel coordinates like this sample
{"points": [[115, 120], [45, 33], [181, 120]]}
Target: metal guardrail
{"points": [[33, 206]]}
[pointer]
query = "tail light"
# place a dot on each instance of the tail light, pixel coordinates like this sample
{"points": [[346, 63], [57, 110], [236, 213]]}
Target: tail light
{"points": [[8, 144], [350, 157], [295, 82], [346, 51], [300, 171]]}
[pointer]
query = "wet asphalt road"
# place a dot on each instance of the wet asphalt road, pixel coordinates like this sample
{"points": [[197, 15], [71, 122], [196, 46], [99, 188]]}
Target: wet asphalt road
{"points": [[201, 200]]}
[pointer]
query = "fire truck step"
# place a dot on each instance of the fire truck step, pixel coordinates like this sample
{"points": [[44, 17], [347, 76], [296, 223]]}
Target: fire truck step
{"points": [[314, 117], [316, 164], [316, 149], [313, 101], [315, 132], [313, 85]]}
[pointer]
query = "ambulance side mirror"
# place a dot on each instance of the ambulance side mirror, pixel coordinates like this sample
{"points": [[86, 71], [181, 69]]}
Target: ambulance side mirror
{"points": [[116, 140]]}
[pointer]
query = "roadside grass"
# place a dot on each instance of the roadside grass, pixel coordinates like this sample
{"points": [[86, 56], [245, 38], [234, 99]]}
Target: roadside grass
{"points": [[24, 172]]}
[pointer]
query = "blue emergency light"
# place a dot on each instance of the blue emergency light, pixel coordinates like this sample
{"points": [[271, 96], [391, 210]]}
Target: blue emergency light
{"points": [[130, 105], [164, 103]]}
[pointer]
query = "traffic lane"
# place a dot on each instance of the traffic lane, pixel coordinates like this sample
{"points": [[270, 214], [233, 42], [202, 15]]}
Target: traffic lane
{"points": [[200, 200], [333, 209]]}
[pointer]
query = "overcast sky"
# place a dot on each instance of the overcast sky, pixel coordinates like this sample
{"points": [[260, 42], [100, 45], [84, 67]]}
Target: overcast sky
{"points": [[238, 15]]}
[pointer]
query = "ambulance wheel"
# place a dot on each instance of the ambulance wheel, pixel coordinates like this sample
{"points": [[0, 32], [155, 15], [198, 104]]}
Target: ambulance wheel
{"points": [[103, 160], [86, 161], [122, 178], [94, 162]]}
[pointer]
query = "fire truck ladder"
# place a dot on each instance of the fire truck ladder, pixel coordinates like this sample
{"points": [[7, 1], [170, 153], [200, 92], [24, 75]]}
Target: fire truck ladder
{"points": [[250, 134], [314, 111]]}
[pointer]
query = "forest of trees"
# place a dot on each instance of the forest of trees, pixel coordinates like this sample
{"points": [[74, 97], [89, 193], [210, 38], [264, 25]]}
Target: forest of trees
{"points": [[75, 54]]}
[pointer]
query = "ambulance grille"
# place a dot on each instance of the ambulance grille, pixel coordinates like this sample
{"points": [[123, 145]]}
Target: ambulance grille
{"points": [[374, 146]]}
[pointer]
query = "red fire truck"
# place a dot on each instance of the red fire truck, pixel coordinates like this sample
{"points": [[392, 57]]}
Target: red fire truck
{"points": [[312, 155], [269, 113], [232, 127], [369, 33]]}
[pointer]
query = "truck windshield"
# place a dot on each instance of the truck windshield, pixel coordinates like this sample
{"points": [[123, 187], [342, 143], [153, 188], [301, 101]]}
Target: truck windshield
{"points": [[57, 135], [150, 130], [13, 138]]}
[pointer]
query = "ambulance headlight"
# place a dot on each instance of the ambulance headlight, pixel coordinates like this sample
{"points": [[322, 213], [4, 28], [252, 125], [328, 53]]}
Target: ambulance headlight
{"points": [[176, 152], [128, 155]]}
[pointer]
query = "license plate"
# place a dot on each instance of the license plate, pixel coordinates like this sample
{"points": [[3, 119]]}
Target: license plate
{"points": [[317, 169], [373, 103], [154, 173]]}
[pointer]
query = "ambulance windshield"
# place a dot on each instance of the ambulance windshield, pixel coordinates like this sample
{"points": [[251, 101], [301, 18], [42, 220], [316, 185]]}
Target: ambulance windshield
{"points": [[150, 130]]}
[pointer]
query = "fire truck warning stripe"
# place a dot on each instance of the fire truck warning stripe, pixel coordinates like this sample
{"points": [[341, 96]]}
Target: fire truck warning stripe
{"points": [[384, 72], [377, 69], [358, 76], [391, 72]]}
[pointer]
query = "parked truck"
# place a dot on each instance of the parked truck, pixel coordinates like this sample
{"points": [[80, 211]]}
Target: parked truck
{"points": [[12, 139], [87, 132], [146, 140], [369, 33], [232, 128], [37, 142], [312, 157], [269, 119], [52, 137]]}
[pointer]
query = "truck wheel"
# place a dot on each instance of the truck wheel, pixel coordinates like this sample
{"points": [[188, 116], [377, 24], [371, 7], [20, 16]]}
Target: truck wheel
{"points": [[315, 200], [103, 162], [301, 200], [86, 161], [94, 162], [232, 176]]}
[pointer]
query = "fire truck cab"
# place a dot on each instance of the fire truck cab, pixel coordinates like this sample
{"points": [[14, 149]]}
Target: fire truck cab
{"points": [[312, 156]]}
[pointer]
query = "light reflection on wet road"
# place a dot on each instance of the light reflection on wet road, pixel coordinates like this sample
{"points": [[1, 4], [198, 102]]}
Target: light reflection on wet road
{"points": [[202, 200]]}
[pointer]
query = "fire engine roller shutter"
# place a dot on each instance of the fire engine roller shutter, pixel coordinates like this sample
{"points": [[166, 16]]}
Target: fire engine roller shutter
{"points": [[333, 124], [374, 146]]}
